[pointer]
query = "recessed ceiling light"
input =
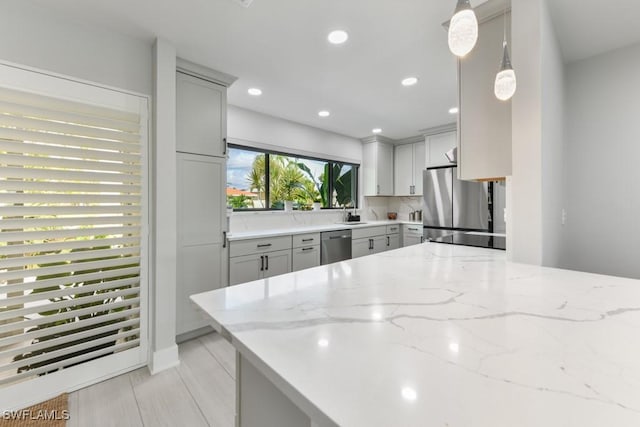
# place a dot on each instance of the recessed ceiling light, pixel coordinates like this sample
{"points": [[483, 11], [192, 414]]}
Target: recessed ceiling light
{"points": [[409, 81], [323, 342], [453, 110], [324, 113], [409, 394], [376, 130], [337, 37], [254, 91]]}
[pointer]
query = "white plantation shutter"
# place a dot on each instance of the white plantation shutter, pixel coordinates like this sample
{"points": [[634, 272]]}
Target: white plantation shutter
{"points": [[71, 232]]}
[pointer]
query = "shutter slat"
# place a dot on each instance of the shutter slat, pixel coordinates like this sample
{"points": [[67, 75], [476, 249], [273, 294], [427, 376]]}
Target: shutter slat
{"points": [[40, 198], [66, 140], [74, 336], [20, 236], [77, 118], [14, 211], [25, 224], [48, 126], [44, 320], [100, 177], [67, 327], [69, 338], [96, 342], [74, 256], [58, 246], [74, 153], [56, 163], [59, 305], [63, 105], [67, 268], [61, 281], [72, 361], [67, 186]]}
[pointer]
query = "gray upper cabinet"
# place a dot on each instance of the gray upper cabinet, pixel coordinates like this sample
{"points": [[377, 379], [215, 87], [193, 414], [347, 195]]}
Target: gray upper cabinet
{"points": [[377, 166], [201, 116], [408, 166], [484, 124]]}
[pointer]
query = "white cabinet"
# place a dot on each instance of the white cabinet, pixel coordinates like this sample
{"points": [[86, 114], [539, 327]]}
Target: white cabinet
{"points": [[201, 234], [255, 259], [484, 124], [436, 147], [411, 235], [377, 167], [306, 251], [201, 119], [408, 166]]}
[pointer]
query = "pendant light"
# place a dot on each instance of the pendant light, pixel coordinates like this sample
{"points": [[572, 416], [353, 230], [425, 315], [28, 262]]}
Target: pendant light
{"points": [[505, 85], [463, 29]]}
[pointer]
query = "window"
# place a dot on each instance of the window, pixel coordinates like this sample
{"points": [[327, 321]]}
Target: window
{"points": [[72, 185], [258, 179]]}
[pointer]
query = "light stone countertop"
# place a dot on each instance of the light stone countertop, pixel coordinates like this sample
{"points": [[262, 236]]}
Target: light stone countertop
{"points": [[443, 335], [260, 234]]}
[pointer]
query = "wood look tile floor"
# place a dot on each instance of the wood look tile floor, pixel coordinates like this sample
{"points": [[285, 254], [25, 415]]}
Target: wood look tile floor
{"points": [[199, 392]]}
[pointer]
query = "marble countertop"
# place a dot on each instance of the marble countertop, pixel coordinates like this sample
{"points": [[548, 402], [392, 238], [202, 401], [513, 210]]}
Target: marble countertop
{"points": [[442, 335], [257, 234]]}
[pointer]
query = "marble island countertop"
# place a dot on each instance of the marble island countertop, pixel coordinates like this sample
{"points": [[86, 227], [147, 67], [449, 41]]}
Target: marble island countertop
{"points": [[442, 335], [255, 234]]}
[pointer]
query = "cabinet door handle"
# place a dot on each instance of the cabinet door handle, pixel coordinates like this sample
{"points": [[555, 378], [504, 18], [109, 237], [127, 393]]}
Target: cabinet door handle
{"points": [[267, 263], [308, 240], [261, 262], [224, 239], [306, 249], [264, 245], [421, 239], [224, 145], [388, 241], [378, 189]]}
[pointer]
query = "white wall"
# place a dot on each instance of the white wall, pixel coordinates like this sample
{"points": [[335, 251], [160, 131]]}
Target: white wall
{"points": [[48, 40], [553, 141], [524, 225], [263, 131], [536, 187], [602, 156]]}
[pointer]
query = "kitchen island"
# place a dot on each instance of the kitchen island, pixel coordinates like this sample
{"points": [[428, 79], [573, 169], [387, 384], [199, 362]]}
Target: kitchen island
{"points": [[433, 335]]}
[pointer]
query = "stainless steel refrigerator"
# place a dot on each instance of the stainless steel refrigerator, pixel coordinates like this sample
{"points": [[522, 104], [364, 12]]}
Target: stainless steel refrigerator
{"points": [[453, 205]]}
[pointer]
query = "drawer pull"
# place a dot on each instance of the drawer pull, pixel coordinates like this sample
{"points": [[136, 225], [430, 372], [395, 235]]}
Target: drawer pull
{"points": [[264, 245], [307, 249], [308, 240]]}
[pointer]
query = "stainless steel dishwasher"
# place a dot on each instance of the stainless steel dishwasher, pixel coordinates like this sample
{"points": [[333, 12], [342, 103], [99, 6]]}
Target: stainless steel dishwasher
{"points": [[335, 246]]}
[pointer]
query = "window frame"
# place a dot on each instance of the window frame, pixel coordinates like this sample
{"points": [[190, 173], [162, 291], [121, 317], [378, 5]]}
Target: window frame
{"points": [[267, 192]]}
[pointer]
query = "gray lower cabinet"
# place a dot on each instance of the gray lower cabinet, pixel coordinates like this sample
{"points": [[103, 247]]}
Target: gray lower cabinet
{"points": [[373, 240], [259, 259], [393, 241], [361, 247], [412, 235], [306, 257], [258, 266]]}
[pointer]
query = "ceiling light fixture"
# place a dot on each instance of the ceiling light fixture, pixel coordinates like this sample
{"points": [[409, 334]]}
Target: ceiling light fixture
{"points": [[376, 130], [324, 113], [337, 37], [463, 29], [453, 110], [505, 85], [409, 81], [254, 91]]}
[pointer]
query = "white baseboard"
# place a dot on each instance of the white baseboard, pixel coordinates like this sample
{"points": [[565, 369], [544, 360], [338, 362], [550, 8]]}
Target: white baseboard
{"points": [[164, 359]]}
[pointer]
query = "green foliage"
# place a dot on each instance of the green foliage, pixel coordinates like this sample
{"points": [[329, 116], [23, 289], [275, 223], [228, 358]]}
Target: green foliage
{"points": [[238, 202]]}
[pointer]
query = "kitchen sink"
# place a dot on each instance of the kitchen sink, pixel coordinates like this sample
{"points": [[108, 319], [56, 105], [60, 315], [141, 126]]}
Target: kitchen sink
{"points": [[353, 223]]}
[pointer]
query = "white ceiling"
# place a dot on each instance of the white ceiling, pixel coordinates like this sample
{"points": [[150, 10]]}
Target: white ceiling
{"points": [[280, 46]]}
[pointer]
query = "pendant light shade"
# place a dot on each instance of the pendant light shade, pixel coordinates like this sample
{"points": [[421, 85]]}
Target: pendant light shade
{"points": [[505, 86], [463, 29]]}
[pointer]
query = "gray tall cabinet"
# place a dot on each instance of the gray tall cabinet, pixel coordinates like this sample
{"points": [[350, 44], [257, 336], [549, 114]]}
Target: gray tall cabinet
{"points": [[201, 150]]}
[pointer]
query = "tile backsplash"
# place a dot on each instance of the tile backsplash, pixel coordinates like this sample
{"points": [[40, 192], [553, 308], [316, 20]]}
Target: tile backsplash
{"points": [[376, 208], [276, 220]]}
